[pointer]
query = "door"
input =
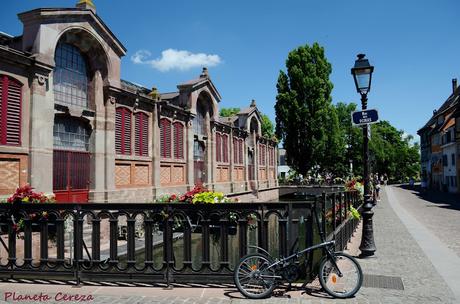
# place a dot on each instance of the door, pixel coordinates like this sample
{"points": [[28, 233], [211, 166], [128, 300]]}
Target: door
{"points": [[199, 162], [71, 176]]}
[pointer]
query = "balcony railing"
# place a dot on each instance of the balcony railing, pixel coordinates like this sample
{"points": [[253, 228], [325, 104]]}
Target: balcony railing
{"points": [[161, 243]]}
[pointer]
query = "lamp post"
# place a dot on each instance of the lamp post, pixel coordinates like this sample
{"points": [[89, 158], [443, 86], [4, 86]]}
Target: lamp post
{"points": [[362, 74]]}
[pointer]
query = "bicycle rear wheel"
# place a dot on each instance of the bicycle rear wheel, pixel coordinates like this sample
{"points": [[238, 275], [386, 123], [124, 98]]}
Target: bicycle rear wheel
{"points": [[253, 278], [344, 286]]}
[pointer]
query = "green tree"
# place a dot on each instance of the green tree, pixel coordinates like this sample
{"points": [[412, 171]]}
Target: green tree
{"points": [[268, 130], [228, 112], [352, 136], [304, 110], [391, 152]]}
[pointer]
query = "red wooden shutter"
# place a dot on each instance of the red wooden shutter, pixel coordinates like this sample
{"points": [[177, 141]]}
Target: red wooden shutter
{"points": [[127, 132], [178, 140], [218, 149], [145, 134], [165, 133], [118, 130], [10, 111], [225, 148], [141, 131], [264, 155], [235, 150], [123, 131], [240, 151]]}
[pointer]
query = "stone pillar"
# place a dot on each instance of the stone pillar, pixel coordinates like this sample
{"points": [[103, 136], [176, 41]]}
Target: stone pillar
{"points": [[189, 142], [246, 163], [211, 164], [156, 179], [256, 160], [41, 134], [98, 144], [110, 144]]}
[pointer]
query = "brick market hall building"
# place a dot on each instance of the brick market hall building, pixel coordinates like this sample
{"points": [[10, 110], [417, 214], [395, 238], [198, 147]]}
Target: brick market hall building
{"points": [[70, 125]]}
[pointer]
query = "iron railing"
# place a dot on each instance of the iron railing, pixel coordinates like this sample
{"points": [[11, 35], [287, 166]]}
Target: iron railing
{"points": [[161, 242]]}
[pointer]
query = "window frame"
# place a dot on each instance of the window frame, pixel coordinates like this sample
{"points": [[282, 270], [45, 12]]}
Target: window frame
{"points": [[141, 138], [7, 112], [71, 78], [125, 112], [178, 144], [165, 147]]}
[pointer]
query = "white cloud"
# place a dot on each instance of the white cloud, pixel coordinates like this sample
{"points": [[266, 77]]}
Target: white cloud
{"points": [[172, 59]]}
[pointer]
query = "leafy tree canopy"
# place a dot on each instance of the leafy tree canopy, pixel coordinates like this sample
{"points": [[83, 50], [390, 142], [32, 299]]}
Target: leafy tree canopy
{"points": [[391, 152], [228, 112], [306, 121]]}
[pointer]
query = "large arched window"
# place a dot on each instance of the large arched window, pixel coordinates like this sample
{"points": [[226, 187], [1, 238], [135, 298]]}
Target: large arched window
{"points": [[70, 76], [199, 123], [10, 111], [71, 134]]}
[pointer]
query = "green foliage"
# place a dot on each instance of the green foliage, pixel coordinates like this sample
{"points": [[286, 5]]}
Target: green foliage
{"points": [[306, 121], [268, 130], [209, 197], [390, 151], [353, 138], [355, 213], [228, 112], [393, 153]]}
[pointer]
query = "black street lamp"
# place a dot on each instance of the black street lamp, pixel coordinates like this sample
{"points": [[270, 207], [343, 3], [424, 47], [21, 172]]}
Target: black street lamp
{"points": [[362, 74]]}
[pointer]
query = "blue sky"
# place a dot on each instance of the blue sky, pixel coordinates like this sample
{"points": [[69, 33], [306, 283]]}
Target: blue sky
{"points": [[413, 45]]}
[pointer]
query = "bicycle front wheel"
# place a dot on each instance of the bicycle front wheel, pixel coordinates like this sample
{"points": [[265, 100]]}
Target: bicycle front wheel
{"points": [[253, 277], [344, 286]]}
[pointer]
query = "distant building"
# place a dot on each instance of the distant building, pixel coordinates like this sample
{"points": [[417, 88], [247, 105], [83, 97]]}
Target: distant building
{"points": [[70, 125], [283, 168], [440, 145]]}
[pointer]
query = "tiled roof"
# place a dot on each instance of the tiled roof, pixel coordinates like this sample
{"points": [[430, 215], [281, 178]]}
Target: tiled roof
{"points": [[131, 86], [228, 120], [193, 81], [451, 101], [167, 96]]}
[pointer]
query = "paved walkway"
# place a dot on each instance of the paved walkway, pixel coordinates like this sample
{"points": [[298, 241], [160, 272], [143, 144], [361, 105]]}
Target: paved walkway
{"points": [[401, 253]]}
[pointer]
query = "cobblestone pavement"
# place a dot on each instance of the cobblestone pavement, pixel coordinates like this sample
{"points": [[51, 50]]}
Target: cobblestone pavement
{"points": [[398, 255], [437, 211]]}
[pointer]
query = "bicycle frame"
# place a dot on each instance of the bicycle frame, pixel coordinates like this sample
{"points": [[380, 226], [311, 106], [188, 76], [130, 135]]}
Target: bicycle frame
{"points": [[324, 244]]}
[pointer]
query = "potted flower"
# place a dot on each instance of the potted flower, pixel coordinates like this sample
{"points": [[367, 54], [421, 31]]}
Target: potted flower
{"points": [[26, 195]]}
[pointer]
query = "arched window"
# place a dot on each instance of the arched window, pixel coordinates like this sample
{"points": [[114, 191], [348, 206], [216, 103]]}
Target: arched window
{"points": [[178, 140], [199, 123], [123, 131], [10, 111], [165, 138], [142, 134], [70, 134], [70, 76]]}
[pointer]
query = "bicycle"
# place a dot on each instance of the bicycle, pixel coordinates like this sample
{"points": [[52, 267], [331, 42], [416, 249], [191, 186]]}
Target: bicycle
{"points": [[257, 274]]}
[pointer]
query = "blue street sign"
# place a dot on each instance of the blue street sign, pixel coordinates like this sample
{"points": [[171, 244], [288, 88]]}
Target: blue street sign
{"points": [[360, 118]]}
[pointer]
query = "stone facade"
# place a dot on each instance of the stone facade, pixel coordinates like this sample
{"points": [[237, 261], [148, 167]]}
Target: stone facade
{"points": [[89, 136]]}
